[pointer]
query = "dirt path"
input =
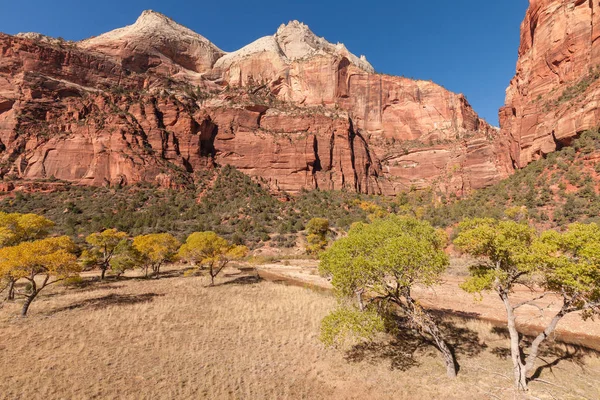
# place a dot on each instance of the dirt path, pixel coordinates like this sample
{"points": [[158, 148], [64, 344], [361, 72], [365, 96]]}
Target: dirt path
{"points": [[448, 297]]}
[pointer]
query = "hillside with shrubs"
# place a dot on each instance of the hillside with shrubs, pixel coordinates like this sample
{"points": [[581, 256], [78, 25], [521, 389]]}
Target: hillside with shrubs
{"points": [[555, 190]]}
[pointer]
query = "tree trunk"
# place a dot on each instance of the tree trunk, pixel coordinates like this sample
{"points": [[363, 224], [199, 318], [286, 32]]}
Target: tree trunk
{"points": [[11, 290], [35, 290], [27, 303], [424, 320], [449, 359], [442, 346], [105, 263], [359, 299], [519, 367], [535, 345], [211, 272]]}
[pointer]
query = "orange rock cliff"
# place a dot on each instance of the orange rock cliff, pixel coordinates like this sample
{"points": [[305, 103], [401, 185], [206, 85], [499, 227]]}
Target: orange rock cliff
{"points": [[555, 93], [157, 102]]}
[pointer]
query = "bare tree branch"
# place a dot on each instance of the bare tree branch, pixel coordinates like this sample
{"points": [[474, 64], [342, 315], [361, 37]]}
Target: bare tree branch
{"points": [[530, 302]]}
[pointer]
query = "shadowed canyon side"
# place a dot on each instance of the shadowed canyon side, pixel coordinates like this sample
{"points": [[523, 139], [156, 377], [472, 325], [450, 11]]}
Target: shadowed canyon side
{"points": [[156, 102], [554, 95]]}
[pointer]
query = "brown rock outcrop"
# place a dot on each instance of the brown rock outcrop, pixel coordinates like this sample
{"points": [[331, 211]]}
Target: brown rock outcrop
{"points": [[554, 94], [157, 102]]}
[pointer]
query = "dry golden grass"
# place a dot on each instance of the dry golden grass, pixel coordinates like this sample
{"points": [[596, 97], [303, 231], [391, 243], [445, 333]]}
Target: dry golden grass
{"points": [[176, 338]]}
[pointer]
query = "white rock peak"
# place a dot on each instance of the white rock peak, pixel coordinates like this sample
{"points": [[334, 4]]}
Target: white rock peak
{"points": [[152, 25], [151, 16], [298, 41], [38, 37], [294, 41]]}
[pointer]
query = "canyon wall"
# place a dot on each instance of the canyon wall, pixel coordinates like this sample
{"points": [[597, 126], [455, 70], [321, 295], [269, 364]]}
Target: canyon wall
{"points": [[555, 93], [157, 102]]}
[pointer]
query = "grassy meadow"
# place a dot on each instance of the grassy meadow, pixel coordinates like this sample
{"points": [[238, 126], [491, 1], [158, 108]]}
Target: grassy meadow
{"points": [[246, 338]]}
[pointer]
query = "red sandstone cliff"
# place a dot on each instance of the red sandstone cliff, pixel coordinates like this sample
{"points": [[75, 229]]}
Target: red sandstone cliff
{"points": [[555, 93], [157, 102]]}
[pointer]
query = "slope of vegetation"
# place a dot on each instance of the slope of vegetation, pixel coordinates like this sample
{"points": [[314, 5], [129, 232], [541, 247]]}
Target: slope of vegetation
{"points": [[556, 190], [227, 202]]}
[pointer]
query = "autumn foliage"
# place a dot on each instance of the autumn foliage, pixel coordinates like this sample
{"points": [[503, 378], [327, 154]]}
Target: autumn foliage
{"points": [[103, 246], [40, 262], [209, 250], [155, 250]]}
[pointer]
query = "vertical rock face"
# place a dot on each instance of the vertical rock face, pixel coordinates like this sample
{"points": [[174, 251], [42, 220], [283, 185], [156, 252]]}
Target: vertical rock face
{"points": [[157, 102], [554, 94], [417, 133]]}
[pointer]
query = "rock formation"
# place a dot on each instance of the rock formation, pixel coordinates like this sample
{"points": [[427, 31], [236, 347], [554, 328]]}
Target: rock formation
{"points": [[157, 43], [555, 93], [157, 102]]}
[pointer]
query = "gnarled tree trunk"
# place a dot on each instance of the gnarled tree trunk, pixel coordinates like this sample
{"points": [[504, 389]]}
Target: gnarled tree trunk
{"points": [[27, 303], [447, 354], [522, 365], [422, 319], [519, 367], [33, 292]]}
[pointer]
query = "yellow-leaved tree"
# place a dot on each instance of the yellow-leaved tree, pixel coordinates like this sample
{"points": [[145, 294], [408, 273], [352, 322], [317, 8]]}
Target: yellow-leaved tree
{"points": [[156, 249], [317, 229], [126, 257], [41, 262], [379, 264], [207, 249], [16, 228], [103, 247]]}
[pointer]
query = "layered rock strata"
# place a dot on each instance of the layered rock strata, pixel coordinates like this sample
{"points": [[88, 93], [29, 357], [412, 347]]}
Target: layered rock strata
{"points": [[555, 93], [156, 102]]}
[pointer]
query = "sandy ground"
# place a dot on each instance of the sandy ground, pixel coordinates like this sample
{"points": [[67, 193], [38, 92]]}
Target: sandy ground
{"points": [[448, 297], [245, 338]]}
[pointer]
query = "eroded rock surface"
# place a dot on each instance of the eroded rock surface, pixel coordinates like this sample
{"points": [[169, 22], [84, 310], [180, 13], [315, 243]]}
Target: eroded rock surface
{"points": [[554, 94], [157, 102]]}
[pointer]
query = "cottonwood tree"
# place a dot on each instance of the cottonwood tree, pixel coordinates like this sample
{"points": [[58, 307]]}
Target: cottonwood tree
{"points": [[378, 264], [156, 249], [125, 257], [7, 282], [16, 228], [103, 247], [41, 262], [317, 229], [207, 249], [566, 265]]}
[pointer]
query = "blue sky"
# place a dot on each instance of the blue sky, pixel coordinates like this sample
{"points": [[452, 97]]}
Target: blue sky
{"points": [[467, 46]]}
